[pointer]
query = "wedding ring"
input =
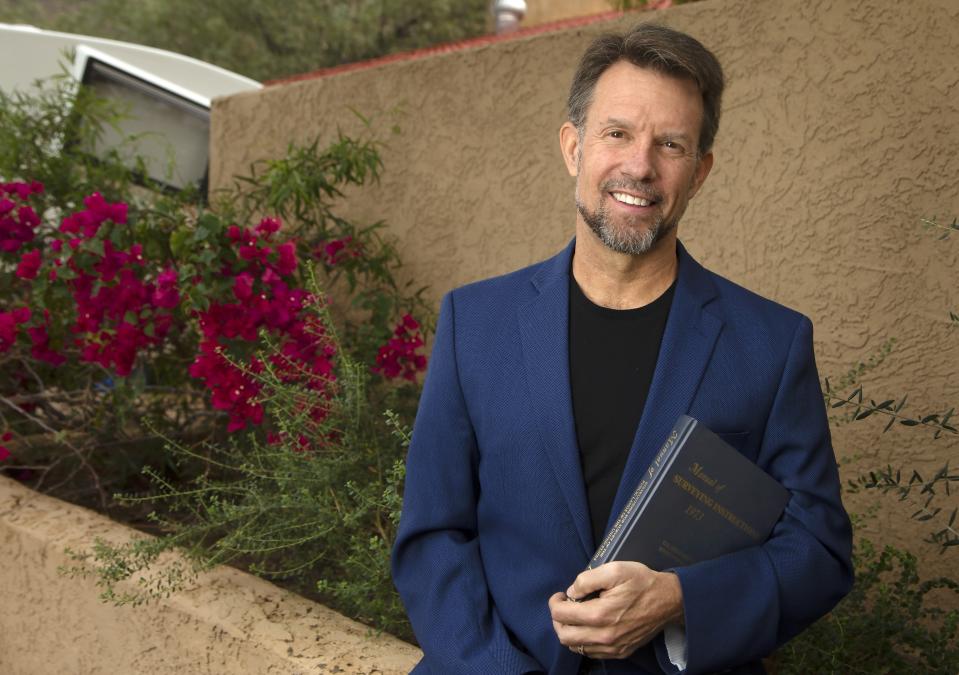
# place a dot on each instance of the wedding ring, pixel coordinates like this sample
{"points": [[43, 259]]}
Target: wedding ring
{"points": [[582, 650]]}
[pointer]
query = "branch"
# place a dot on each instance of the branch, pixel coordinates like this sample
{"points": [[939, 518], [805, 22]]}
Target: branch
{"points": [[76, 451], [933, 223], [892, 409], [886, 481]]}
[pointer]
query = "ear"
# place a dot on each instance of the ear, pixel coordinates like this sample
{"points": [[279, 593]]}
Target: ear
{"points": [[569, 146], [703, 166]]}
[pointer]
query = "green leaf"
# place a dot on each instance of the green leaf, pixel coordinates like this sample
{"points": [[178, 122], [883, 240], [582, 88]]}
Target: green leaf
{"points": [[178, 242]]}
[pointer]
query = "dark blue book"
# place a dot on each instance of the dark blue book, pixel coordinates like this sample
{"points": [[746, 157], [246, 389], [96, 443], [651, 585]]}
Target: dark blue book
{"points": [[699, 499]]}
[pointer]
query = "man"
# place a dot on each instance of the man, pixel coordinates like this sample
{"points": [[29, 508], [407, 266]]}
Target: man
{"points": [[552, 388]]}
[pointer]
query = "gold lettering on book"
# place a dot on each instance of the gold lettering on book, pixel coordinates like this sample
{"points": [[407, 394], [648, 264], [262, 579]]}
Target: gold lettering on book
{"points": [[718, 508], [627, 512], [697, 470], [670, 550]]}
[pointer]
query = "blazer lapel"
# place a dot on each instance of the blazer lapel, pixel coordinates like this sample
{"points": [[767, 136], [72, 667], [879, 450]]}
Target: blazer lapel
{"points": [[544, 330], [687, 345]]}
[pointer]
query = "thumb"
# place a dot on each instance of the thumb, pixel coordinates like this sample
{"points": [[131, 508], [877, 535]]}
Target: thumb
{"points": [[589, 583]]}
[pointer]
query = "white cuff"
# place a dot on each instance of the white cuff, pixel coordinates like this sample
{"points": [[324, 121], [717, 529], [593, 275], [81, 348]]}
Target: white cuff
{"points": [[674, 636]]}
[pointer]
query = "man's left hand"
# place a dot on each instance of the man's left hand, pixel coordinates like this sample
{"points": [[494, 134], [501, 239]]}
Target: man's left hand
{"points": [[634, 604]]}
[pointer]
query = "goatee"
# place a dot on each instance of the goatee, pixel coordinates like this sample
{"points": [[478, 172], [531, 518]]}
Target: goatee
{"points": [[632, 240]]}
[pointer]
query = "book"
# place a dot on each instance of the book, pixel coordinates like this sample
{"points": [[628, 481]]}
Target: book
{"points": [[699, 499]]}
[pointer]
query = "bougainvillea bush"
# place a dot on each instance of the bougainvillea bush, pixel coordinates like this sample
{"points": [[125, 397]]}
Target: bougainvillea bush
{"points": [[149, 341]]}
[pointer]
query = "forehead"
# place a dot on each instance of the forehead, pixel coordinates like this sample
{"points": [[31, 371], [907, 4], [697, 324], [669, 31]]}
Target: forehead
{"points": [[642, 95]]}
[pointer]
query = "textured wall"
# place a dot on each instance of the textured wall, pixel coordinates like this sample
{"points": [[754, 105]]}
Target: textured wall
{"points": [[543, 11], [228, 623], [840, 130]]}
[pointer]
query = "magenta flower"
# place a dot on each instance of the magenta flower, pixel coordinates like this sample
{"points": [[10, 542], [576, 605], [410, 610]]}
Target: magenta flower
{"points": [[243, 286], [399, 357], [268, 226], [287, 258], [29, 265], [8, 326]]}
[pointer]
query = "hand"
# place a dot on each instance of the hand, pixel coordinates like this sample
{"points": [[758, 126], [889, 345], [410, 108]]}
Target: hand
{"points": [[634, 604]]}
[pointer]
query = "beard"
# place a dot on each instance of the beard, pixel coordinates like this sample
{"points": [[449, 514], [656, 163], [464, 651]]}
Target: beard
{"points": [[630, 237]]}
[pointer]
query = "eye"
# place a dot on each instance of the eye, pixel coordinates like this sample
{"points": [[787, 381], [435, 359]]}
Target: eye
{"points": [[673, 146], [616, 133]]}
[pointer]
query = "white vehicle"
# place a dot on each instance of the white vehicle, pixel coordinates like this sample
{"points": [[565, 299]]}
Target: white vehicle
{"points": [[167, 95]]}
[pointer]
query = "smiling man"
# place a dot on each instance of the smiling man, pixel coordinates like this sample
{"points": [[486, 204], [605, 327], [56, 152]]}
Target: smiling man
{"points": [[551, 389]]}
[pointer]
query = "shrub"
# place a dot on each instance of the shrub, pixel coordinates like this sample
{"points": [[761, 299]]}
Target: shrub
{"points": [[226, 364], [889, 623]]}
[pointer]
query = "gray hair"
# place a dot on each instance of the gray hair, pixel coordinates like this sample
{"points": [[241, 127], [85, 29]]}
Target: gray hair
{"points": [[656, 47]]}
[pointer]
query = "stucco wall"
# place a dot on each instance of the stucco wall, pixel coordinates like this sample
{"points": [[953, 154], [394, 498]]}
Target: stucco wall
{"points": [[227, 623], [543, 11], [840, 130]]}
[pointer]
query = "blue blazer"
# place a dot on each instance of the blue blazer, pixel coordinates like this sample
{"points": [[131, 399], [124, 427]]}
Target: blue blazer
{"points": [[495, 517]]}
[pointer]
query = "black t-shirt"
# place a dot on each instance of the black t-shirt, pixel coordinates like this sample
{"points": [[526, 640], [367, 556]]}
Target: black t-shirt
{"points": [[612, 356]]}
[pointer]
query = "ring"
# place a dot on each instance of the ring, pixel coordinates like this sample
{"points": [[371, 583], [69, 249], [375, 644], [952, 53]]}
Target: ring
{"points": [[582, 650]]}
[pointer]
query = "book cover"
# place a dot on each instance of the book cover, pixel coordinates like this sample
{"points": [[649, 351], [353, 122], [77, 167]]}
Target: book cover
{"points": [[699, 499]]}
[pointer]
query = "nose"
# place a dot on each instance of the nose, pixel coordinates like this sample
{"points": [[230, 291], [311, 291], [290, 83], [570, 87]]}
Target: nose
{"points": [[639, 162]]}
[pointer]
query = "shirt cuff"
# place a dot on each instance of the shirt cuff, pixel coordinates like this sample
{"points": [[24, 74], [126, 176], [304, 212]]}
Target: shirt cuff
{"points": [[674, 636]]}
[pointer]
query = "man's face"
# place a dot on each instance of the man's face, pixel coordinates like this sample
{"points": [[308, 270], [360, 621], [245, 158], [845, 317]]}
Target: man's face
{"points": [[635, 161]]}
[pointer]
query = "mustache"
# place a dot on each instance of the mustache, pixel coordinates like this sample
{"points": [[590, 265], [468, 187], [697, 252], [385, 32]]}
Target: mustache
{"points": [[635, 187]]}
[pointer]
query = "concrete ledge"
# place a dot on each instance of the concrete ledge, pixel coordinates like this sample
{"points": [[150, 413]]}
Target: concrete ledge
{"points": [[229, 622]]}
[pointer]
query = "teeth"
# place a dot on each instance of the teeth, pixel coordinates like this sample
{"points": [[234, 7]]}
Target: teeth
{"points": [[630, 199]]}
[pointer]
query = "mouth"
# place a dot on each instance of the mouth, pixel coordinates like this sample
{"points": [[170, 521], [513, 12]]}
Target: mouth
{"points": [[632, 200]]}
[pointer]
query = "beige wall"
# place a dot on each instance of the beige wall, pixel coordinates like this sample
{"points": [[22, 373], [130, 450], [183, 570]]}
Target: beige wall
{"points": [[840, 130], [225, 624], [544, 11]]}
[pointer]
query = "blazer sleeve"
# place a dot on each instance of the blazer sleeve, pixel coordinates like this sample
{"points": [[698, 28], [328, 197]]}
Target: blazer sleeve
{"points": [[740, 607], [436, 561]]}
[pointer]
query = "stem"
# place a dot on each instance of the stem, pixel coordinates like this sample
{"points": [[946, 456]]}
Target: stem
{"points": [[76, 451]]}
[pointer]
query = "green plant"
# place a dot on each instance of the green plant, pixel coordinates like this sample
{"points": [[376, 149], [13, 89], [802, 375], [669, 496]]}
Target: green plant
{"points": [[224, 370], [265, 39], [889, 623], [322, 517], [120, 310]]}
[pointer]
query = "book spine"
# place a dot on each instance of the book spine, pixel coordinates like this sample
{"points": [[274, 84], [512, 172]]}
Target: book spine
{"points": [[614, 538]]}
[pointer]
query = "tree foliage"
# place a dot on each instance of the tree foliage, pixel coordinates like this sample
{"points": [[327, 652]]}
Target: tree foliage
{"points": [[267, 39]]}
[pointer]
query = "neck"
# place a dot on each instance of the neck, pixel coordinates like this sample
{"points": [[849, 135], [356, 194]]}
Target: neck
{"points": [[621, 280]]}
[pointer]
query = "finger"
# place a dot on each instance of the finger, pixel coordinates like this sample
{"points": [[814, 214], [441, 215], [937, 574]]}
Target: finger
{"points": [[606, 577], [567, 612], [573, 636], [556, 601], [593, 581]]}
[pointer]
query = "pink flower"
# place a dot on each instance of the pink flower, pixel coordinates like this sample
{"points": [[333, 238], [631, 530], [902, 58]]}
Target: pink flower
{"points": [[41, 347], [268, 226], [167, 294], [28, 217], [331, 252], [287, 258], [243, 286], [399, 357], [29, 265], [8, 326]]}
